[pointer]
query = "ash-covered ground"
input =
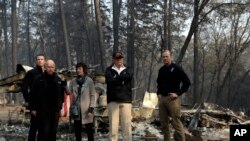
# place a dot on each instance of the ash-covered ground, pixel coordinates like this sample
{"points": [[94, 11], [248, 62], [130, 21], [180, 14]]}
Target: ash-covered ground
{"points": [[18, 131], [13, 128]]}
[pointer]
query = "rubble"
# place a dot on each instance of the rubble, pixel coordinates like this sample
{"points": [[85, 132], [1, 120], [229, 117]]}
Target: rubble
{"points": [[212, 116], [209, 121]]}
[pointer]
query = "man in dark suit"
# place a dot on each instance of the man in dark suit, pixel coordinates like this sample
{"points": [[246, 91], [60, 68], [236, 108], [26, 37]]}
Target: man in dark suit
{"points": [[25, 88]]}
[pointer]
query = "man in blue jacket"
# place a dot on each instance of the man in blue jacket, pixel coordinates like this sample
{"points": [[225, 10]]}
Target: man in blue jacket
{"points": [[119, 97]]}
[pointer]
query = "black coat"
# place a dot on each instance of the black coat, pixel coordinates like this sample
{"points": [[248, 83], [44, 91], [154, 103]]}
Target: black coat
{"points": [[119, 85], [47, 93], [172, 79], [28, 82]]}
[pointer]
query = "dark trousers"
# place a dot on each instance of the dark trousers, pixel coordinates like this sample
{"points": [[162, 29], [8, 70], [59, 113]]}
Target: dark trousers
{"points": [[47, 125], [89, 129], [33, 128]]}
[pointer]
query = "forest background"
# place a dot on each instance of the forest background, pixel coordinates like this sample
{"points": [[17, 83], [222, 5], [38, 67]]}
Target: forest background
{"points": [[210, 39]]}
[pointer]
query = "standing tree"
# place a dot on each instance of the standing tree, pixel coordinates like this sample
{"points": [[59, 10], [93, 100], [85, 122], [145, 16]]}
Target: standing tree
{"points": [[100, 34], [116, 22], [194, 24], [167, 25], [14, 34], [131, 35], [196, 96], [86, 20], [65, 34], [6, 41], [28, 33]]}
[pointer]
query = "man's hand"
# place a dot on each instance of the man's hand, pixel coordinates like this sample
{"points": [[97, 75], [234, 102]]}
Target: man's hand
{"points": [[90, 114], [159, 97], [33, 113], [173, 96]]}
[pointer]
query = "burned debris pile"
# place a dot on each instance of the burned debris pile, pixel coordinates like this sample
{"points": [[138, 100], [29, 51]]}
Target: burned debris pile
{"points": [[209, 121], [212, 116]]}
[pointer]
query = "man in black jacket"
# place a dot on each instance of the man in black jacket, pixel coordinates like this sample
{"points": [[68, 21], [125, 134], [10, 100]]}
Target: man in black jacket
{"points": [[26, 86], [46, 102], [169, 81], [119, 97]]}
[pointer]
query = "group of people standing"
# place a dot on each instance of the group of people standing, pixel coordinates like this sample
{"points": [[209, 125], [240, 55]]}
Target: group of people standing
{"points": [[44, 91]]}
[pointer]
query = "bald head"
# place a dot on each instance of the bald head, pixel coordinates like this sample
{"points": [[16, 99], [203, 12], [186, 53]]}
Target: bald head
{"points": [[50, 67]]}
